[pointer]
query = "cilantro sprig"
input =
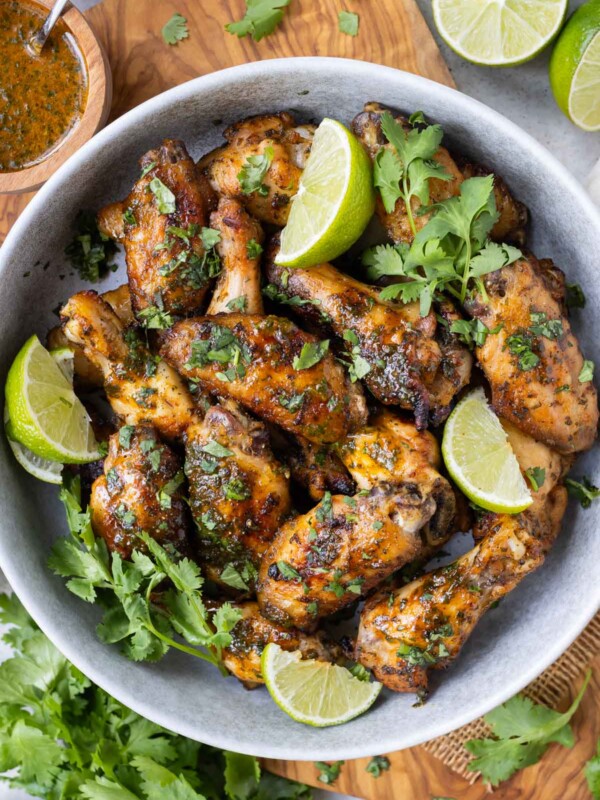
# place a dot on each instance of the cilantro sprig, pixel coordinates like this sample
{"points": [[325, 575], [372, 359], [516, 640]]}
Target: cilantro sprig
{"points": [[141, 614], [253, 171], [592, 773], [175, 29], [63, 737], [522, 732]]}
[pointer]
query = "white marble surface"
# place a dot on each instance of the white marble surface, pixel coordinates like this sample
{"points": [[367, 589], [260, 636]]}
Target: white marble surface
{"points": [[522, 94]]}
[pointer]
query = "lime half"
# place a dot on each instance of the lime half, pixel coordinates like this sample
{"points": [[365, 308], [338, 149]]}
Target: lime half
{"points": [[45, 415], [315, 692], [498, 33], [335, 199], [480, 459], [575, 67]]}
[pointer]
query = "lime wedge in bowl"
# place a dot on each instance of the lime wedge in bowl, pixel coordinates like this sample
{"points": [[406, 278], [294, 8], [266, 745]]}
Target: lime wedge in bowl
{"points": [[335, 199], [498, 34], [479, 457], [575, 67], [315, 692], [45, 415]]}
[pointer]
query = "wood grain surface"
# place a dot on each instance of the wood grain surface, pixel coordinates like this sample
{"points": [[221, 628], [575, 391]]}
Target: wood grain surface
{"points": [[392, 32]]}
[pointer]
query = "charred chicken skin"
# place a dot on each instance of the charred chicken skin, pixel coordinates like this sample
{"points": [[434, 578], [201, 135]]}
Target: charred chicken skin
{"points": [[250, 359], [533, 361], [253, 633], [239, 494], [160, 226], [423, 625], [141, 388], [512, 214], [140, 490], [275, 137]]}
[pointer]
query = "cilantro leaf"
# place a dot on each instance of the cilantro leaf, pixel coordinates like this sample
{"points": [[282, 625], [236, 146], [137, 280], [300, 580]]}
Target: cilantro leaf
{"points": [[311, 354], [242, 776], [329, 773], [260, 20], [253, 171], [583, 490], [523, 730], [90, 252], [536, 477], [587, 372], [348, 22], [163, 196], [377, 765], [175, 30], [592, 774]]}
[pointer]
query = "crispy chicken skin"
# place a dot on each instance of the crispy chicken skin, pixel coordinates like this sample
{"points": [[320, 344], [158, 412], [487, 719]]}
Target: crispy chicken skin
{"points": [[512, 214], [140, 388], [140, 491], [391, 450], [547, 401], [396, 342], [405, 631], [239, 495], [239, 281], [423, 625], [455, 368], [322, 561], [290, 145], [318, 468], [254, 367], [164, 268], [253, 633]]}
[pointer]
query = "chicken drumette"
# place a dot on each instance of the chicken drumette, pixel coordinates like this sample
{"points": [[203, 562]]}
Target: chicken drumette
{"points": [[140, 490], [423, 625], [160, 225], [140, 387], [274, 136]]}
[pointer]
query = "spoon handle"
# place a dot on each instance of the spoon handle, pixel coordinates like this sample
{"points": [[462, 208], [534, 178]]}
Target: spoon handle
{"points": [[39, 40]]}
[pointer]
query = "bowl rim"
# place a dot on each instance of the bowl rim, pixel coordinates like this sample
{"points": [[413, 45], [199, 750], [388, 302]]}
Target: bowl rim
{"points": [[349, 748], [95, 112]]}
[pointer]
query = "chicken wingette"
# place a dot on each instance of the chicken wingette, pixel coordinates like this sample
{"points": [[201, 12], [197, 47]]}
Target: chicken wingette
{"points": [[239, 494], [160, 225], [253, 633], [140, 387], [272, 368], [140, 491], [274, 142], [512, 214], [532, 360], [423, 625], [391, 347]]}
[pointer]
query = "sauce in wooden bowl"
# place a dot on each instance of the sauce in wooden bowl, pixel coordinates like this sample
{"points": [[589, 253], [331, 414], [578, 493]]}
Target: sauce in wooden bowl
{"points": [[43, 97]]}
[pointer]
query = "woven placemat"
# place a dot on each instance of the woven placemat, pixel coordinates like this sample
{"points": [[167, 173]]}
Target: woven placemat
{"points": [[550, 688]]}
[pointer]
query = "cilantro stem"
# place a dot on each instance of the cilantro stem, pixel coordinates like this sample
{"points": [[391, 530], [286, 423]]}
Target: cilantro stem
{"points": [[467, 269], [409, 212]]}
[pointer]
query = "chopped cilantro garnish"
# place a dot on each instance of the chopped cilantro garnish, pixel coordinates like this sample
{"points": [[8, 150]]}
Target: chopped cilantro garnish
{"points": [[175, 30], [253, 172], [260, 20], [90, 252], [348, 23], [311, 354]]}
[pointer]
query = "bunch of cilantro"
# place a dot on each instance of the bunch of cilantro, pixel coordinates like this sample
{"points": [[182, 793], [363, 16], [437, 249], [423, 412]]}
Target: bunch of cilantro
{"points": [[152, 602], [452, 252], [63, 738]]}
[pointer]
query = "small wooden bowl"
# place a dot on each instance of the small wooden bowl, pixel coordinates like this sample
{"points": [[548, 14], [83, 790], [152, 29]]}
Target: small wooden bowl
{"points": [[94, 114]]}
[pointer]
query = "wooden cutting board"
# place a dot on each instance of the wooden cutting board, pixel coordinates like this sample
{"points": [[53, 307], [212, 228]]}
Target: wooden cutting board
{"points": [[392, 32]]}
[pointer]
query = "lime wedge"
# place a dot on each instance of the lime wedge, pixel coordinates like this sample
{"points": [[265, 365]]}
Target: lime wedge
{"points": [[315, 692], [45, 415], [65, 358], [575, 67], [335, 199], [498, 33], [480, 459]]}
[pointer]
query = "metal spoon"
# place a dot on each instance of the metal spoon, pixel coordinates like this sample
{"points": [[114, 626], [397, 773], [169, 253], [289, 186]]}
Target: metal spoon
{"points": [[38, 40]]}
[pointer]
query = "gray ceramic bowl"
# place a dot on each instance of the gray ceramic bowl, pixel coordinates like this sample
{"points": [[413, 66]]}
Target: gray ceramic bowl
{"points": [[514, 642]]}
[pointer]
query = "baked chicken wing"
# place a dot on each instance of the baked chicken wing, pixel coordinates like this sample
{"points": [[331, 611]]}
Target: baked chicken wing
{"points": [[512, 214], [263, 363], [141, 388], [533, 361], [160, 225], [423, 625], [276, 136], [140, 490], [239, 493]]}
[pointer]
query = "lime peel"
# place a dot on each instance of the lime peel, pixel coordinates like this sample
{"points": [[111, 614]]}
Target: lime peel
{"points": [[478, 456], [316, 693]]}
